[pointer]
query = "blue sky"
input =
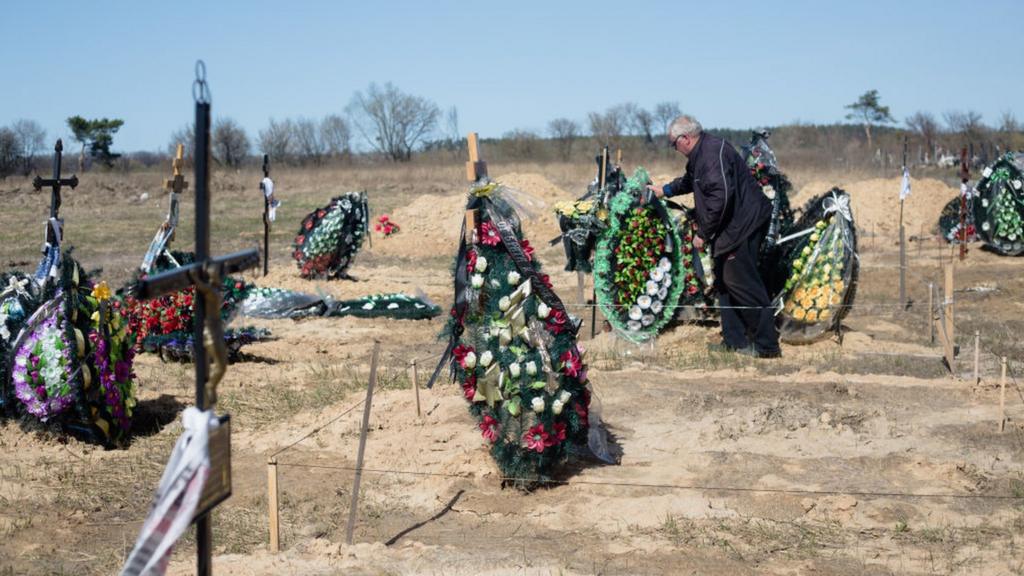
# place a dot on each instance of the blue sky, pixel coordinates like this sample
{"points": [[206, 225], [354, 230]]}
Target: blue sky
{"points": [[505, 65]]}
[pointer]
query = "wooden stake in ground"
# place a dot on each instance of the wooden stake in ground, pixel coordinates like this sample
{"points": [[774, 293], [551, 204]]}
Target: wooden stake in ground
{"points": [[1002, 395], [977, 357], [416, 387], [602, 180], [272, 505], [363, 431], [904, 191], [931, 313], [946, 320]]}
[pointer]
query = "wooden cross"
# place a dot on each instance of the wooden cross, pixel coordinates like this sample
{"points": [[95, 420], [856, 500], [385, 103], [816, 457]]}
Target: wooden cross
{"points": [[53, 225], [165, 234], [476, 169], [206, 274], [266, 216]]}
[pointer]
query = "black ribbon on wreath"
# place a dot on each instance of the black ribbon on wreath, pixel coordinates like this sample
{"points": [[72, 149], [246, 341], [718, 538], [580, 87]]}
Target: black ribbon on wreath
{"points": [[506, 231]]}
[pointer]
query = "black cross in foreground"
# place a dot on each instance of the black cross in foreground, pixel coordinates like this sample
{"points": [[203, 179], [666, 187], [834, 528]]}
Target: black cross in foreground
{"points": [[206, 274], [53, 224]]}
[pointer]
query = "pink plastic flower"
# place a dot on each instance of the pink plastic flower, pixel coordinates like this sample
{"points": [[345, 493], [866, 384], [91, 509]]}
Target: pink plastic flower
{"points": [[489, 428], [536, 439]]}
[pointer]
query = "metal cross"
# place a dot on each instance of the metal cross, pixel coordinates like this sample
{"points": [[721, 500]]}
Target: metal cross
{"points": [[165, 234], [53, 225], [206, 274]]}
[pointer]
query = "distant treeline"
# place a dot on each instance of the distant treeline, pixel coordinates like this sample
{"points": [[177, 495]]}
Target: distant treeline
{"points": [[383, 124]]}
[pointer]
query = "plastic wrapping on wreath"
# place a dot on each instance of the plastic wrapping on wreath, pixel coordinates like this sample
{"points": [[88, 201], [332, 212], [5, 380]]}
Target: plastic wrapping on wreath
{"points": [[638, 274], [949, 220], [823, 269], [999, 207], [179, 346], [697, 273], [71, 361], [329, 237], [279, 303]]}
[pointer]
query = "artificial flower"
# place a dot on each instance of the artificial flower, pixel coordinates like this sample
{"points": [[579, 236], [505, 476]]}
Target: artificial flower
{"points": [[543, 310], [527, 249], [556, 407], [489, 234], [476, 281], [537, 404], [504, 303], [101, 291], [489, 428], [557, 321], [486, 358], [531, 368], [536, 439], [513, 277], [514, 369], [481, 264]]}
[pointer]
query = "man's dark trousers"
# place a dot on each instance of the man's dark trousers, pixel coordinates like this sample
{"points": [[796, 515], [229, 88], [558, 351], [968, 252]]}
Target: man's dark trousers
{"points": [[746, 311]]}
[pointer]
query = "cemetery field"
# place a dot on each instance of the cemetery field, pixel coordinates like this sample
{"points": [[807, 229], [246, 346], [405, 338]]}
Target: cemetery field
{"points": [[866, 457]]}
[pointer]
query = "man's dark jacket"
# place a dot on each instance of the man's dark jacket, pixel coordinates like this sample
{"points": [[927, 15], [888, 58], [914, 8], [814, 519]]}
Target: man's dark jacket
{"points": [[730, 204]]}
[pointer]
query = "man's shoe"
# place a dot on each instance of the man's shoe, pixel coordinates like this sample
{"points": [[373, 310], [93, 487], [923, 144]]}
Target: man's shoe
{"points": [[776, 353], [721, 347]]}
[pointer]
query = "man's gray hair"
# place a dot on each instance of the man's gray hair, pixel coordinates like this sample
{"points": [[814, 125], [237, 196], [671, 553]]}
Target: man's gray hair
{"points": [[683, 126]]}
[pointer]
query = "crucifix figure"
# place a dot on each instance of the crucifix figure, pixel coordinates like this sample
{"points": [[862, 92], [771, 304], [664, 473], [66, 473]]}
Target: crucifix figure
{"points": [[270, 205], [198, 476], [54, 225], [165, 234]]}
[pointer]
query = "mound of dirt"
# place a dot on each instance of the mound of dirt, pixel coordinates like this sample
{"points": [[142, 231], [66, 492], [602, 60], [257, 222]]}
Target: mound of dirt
{"points": [[876, 203], [431, 223]]}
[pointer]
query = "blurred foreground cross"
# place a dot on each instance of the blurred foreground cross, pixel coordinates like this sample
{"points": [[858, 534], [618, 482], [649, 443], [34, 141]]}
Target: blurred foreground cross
{"points": [[207, 275]]}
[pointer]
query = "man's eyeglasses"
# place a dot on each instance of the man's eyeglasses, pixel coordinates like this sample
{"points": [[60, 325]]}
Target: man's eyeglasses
{"points": [[672, 143]]}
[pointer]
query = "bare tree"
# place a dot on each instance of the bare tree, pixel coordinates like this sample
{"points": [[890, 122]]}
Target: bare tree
{"points": [[9, 158], [564, 131], [665, 112], [392, 122], [229, 142], [643, 123], [968, 124], [336, 135], [612, 124], [523, 143], [1008, 122], [925, 125], [186, 136], [308, 143], [276, 140], [451, 122], [31, 137]]}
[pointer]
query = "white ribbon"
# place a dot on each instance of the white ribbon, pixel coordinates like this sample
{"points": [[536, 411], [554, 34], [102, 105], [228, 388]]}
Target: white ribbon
{"points": [[176, 498], [838, 203], [15, 286]]}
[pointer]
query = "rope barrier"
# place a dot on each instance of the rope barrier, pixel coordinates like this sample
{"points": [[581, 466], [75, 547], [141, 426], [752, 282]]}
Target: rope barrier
{"points": [[318, 428], [695, 487]]}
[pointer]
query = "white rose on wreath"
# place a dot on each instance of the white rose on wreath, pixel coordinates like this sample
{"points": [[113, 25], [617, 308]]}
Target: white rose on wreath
{"points": [[476, 281], [556, 407], [504, 304], [470, 360], [537, 404], [543, 311], [635, 313], [514, 369], [513, 277], [564, 396], [481, 264], [486, 358], [531, 368]]}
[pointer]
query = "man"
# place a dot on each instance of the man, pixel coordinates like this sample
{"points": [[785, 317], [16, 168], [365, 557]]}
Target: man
{"points": [[732, 218]]}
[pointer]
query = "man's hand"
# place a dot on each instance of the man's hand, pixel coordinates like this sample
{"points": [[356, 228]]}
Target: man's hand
{"points": [[698, 242], [651, 193]]}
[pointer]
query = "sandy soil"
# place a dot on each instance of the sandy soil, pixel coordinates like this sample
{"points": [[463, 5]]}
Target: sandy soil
{"points": [[836, 459]]}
